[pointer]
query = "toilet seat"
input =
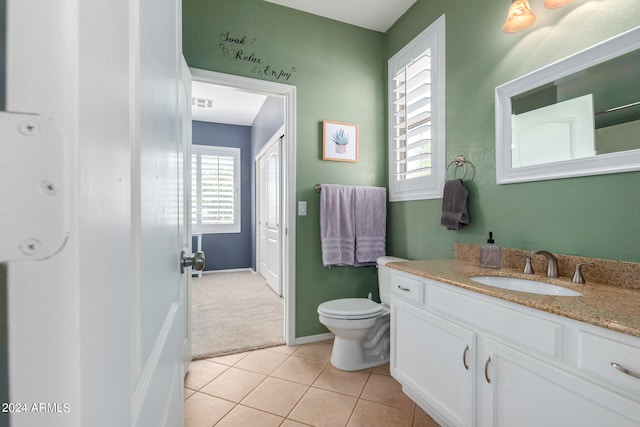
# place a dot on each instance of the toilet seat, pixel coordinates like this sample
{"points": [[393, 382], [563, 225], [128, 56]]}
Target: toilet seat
{"points": [[351, 308]]}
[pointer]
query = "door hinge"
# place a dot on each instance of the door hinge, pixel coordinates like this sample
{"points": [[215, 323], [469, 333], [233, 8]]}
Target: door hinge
{"points": [[33, 188]]}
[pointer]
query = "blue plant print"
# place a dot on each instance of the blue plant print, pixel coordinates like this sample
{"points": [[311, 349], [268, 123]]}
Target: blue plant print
{"points": [[340, 137]]}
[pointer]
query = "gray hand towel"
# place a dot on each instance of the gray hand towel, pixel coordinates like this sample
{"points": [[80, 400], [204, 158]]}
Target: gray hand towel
{"points": [[371, 224], [454, 205]]}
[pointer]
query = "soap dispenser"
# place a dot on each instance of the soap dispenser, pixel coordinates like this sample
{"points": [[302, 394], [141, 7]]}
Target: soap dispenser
{"points": [[490, 254]]}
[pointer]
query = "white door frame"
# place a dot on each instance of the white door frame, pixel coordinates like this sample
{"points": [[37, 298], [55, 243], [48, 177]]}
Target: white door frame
{"points": [[288, 242], [275, 139]]}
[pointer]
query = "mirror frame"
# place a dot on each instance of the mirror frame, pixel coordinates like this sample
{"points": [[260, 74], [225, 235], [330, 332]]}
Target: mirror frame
{"points": [[622, 161]]}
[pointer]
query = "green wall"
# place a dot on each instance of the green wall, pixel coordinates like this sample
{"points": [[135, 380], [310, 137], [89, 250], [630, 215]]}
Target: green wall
{"points": [[340, 74], [593, 216]]}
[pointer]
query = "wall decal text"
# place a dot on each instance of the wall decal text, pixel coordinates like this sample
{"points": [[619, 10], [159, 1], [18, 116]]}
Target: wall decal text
{"points": [[240, 48]]}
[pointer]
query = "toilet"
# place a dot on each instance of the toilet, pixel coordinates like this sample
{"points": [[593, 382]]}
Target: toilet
{"points": [[360, 325]]}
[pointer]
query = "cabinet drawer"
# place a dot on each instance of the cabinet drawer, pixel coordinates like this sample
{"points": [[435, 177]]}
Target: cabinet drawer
{"points": [[526, 331], [597, 353], [408, 289]]}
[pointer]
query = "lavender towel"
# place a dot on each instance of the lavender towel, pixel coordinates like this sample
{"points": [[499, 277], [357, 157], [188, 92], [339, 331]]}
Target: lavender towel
{"points": [[371, 224], [454, 205], [337, 225]]}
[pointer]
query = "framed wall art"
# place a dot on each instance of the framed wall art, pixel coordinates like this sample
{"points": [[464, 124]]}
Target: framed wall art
{"points": [[339, 141]]}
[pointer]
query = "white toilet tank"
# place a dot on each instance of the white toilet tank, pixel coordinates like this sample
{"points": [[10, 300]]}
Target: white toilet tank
{"points": [[384, 277]]}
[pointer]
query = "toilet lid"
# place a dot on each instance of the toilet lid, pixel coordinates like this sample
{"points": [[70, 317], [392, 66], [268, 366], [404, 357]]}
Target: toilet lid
{"points": [[352, 308]]}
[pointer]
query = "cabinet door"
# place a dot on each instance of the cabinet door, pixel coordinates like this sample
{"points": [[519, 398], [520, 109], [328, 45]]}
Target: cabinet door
{"points": [[434, 360], [519, 390]]}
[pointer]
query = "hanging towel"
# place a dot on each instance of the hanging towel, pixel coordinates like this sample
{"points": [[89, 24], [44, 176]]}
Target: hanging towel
{"points": [[454, 205], [371, 224], [337, 225]]}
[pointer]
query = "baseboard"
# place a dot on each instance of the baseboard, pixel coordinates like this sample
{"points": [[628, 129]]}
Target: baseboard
{"points": [[231, 270], [313, 338]]}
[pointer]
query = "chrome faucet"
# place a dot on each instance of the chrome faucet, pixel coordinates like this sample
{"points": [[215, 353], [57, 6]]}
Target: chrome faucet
{"points": [[528, 269], [552, 263], [577, 276]]}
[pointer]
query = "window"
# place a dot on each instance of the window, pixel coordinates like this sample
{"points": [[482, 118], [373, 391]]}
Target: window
{"points": [[417, 117], [215, 188]]}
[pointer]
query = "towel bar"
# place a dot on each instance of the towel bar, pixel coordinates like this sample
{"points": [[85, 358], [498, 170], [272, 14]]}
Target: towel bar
{"points": [[459, 162]]}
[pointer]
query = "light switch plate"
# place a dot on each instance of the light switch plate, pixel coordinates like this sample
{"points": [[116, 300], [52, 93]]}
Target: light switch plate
{"points": [[302, 208]]}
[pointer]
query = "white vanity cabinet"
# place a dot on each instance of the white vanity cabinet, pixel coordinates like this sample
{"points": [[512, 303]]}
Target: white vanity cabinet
{"points": [[473, 360], [521, 390], [437, 376]]}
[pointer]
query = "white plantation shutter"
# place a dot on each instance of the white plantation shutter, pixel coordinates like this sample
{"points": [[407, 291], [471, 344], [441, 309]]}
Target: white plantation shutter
{"points": [[412, 139], [216, 189], [416, 117]]}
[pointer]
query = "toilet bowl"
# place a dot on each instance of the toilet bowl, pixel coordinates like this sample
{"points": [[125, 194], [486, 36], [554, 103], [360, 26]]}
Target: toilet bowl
{"points": [[360, 325]]}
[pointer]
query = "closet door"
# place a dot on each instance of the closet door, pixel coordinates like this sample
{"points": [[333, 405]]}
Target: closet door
{"points": [[269, 216]]}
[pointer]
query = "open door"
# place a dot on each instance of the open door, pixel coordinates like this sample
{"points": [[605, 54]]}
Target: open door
{"points": [[95, 251]]}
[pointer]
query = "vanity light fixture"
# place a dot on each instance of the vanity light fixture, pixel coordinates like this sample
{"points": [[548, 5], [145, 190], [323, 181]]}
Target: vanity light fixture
{"points": [[553, 4], [519, 17]]}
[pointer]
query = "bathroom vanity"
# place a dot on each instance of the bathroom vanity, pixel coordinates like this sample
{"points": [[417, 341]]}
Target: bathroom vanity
{"points": [[473, 355]]}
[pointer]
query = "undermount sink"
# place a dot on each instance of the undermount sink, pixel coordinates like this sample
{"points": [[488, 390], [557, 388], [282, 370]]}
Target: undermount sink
{"points": [[524, 285]]}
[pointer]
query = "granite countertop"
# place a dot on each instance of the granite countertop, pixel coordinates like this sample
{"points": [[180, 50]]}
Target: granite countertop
{"points": [[612, 307]]}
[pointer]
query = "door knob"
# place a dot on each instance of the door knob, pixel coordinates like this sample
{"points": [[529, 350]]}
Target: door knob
{"points": [[196, 261]]}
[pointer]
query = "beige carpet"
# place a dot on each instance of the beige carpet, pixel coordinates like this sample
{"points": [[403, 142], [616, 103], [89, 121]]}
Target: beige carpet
{"points": [[234, 312]]}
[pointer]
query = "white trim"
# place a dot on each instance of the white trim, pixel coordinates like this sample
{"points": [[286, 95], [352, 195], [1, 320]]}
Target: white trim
{"points": [[313, 338], [276, 136], [230, 270], [623, 161], [287, 92], [429, 187], [219, 151]]}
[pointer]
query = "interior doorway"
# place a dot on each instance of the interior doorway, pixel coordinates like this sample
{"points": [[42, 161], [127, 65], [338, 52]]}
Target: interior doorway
{"points": [[284, 230]]}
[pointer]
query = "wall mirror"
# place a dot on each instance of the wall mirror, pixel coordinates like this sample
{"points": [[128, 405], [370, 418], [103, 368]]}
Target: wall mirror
{"points": [[575, 117]]}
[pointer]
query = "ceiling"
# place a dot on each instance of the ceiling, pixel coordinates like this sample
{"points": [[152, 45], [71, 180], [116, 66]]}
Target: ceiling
{"points": [[218, 104], [378, 15]]}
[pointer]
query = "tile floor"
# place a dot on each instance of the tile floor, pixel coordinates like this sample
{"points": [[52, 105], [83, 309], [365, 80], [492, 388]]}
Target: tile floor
{"points": [[294, 386]]}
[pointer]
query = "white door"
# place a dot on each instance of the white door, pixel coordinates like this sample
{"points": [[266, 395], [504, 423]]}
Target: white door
{"points": [[269, 215], [160, 236], [96, 320], [184, 176]]}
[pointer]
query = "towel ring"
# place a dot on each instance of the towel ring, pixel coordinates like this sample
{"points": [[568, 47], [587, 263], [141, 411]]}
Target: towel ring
{"points": [[459, 162]]}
